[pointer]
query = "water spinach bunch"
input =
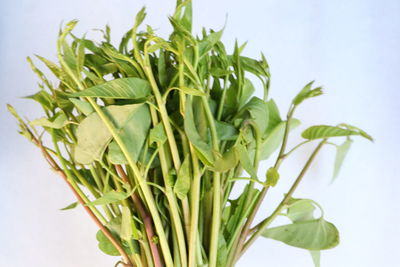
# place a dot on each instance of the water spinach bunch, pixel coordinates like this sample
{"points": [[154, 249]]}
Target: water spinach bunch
{"points": [[152, 135]]}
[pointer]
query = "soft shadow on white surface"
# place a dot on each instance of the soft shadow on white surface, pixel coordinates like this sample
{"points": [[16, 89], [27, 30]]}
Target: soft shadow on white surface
{"points": [[350, 47]]}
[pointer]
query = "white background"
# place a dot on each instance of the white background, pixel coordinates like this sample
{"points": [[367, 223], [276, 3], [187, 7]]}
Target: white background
{"points": [[351, 47]]}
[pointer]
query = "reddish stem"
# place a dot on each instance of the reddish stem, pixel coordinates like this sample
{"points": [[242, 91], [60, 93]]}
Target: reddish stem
{"points": [[104, 229], [147, 221]]}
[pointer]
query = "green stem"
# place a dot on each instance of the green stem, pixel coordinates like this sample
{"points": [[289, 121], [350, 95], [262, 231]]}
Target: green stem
{"points": [[164, 115], [216, 213], [222, 101], [249, 202], [283, 204], [194, 205], [141, 181], [172, 201], [264, 191]]}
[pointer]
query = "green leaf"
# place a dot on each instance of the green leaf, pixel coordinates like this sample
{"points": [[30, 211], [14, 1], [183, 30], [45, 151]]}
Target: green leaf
{"points": [[313, 235], [209, 41], [182, 184], [203, 149], [341, 152], [162, 69], [303, 210], [82, 106], [226, 162], [325, 131], [56, 122], [157, 134], [126, 224], [307, 92], [218, 72], [80, 57], [43, 98], [123, 88], [316, 257], [272, 177], [223, 252], [71, 206], [105, 245], [140, 16], [115, 154], [186, 90], [300, 210], [258, 110], [132, 121], [354, 128], [133, 133], [274, 138], [254, 66], [56, 70], [235, 101], [226, 131], [274, 116], [184, 18], [248, 90], [109, 197], [245, 160]]}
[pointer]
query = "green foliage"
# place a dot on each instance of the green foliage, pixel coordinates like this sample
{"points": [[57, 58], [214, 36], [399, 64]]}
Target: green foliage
{"points": [[109, 197], [56, 122], [156, 132], [123, 88], [105, 245], [325, 131], [272, 177], [341, 152], [71, 206], [313, 235], [182, 184]]}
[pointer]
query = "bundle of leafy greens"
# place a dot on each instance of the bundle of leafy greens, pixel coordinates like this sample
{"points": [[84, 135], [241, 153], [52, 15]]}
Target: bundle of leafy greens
{"points": [[151, 137]]}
